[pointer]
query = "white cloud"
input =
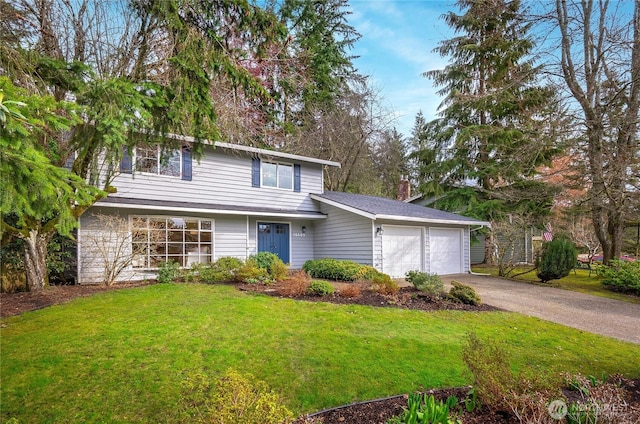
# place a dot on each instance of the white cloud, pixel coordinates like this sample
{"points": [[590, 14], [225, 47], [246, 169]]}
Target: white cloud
{"points": [[398, 38]]}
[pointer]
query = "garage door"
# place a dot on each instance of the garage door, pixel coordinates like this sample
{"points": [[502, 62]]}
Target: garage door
{"points": [[402, 249], [445, 251]]}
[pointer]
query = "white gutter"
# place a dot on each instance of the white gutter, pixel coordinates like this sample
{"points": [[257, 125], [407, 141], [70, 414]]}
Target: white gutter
{"points": [[432, 220], [209, 211]]}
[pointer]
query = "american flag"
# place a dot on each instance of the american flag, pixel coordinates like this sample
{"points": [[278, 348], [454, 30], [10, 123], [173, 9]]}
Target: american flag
{"points": [[548, 234]]}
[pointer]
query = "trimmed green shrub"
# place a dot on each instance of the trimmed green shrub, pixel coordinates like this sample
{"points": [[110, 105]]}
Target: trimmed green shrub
{"points": [[622, 276], [425, 282], [168, 272], [272, 263], [320, 288], [337, 269], [464, 293], [232, 398], [332, 269], [558, 258]]}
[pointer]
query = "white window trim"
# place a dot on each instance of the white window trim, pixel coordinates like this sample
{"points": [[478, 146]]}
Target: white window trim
{"points": [[199, 219], [278, 164], [158, 163]]}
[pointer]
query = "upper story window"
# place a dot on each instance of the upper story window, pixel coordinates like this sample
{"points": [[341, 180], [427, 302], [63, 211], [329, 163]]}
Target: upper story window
{"points": [[277, 175], [154, 160]]}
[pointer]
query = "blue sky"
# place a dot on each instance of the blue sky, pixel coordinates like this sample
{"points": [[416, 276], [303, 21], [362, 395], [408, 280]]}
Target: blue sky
{"points": [[398, 37]]}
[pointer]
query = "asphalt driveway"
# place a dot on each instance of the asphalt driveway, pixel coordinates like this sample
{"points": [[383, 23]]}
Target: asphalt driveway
{"points": [[599, 315]]}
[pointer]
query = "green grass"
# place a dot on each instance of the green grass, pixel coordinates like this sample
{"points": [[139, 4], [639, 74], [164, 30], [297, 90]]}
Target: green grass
{"points": [[579, 281], [120, 356]]}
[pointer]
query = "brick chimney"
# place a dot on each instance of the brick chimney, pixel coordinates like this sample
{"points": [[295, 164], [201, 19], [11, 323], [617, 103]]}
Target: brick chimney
{"points": [[404, 189]]}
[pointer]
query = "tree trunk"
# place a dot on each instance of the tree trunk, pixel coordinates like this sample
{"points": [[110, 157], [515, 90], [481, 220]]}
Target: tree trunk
{"points": [[35, 259], [489, 249]]}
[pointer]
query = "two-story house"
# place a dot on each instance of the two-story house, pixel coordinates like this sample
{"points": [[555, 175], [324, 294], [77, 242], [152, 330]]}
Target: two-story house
{"points": [[239, 200]]}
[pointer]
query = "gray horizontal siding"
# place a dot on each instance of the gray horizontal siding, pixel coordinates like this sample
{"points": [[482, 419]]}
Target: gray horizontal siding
{"points": [[230, 237], [225, 179], [91, 261], [301, 244], [344, 235]]}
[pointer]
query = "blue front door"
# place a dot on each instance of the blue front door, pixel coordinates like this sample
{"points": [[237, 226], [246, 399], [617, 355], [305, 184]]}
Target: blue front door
{"points": [[274, 238]]}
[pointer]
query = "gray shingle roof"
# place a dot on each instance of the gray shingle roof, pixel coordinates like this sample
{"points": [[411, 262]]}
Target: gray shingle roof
{"points": [[169, 205], [383, 208]]}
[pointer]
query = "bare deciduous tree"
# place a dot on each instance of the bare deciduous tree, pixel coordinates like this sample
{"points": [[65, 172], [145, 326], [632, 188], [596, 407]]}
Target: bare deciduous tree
{"points": [[600, 65], [345, 133], [507, 238], [582, 234], [111, 241]]}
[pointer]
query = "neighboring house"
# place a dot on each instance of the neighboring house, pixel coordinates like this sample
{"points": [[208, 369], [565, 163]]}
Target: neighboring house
{"points": [[523, 250], [238, 200]]}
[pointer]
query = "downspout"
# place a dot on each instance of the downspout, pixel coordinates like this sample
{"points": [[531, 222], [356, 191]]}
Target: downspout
{"points": [[78, 248], [246, 241], [471, 272]]}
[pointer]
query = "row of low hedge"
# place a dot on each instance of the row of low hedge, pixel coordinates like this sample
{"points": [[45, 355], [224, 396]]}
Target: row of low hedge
{"points": [[340, 270]]}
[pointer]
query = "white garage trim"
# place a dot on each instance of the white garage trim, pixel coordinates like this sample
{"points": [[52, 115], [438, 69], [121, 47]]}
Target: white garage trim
{"points": [[446, 249], [402, 250]]}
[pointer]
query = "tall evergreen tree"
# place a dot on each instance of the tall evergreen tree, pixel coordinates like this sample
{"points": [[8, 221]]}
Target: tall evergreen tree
{"points": [[478, 157], [168, 54], [321, 40]]}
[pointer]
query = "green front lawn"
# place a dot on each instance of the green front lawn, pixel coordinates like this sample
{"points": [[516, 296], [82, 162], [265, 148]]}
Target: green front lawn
{"points": [[578, 280], [120, 356]]}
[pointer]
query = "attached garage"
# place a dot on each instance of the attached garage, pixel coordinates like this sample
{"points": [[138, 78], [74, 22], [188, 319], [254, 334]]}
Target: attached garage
{"points": [[394, 237], [402, 250], [445, 251]]}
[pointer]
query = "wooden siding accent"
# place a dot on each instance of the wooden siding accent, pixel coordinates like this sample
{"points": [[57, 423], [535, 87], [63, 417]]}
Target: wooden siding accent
{"points": [[343, 235], [222, 178]]}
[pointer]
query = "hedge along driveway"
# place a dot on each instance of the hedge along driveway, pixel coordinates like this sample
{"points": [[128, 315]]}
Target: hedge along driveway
{"points": [[608, 317], [120, 356]]}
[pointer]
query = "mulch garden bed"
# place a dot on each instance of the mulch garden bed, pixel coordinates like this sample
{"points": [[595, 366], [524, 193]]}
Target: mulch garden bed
{"points": [[406, 298], [372, 412]]}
